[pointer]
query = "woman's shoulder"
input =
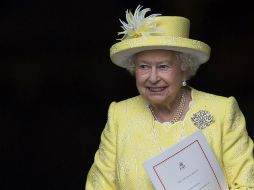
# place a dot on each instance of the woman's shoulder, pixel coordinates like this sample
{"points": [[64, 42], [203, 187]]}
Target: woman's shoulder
{"points": [[200, 94], [136, 100], [211, 99], [130, 108]]}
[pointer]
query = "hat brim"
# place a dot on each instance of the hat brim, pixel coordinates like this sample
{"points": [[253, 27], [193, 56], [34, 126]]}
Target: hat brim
{"points": [[121, 52]]}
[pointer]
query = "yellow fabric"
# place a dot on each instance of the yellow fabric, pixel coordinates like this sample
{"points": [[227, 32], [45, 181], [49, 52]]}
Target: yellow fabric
{"points": [[131, 136], [173, 26]]}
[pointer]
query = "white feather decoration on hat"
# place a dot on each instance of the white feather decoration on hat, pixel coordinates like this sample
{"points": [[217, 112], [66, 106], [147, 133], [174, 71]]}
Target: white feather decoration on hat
{"points": [[137, 24]]}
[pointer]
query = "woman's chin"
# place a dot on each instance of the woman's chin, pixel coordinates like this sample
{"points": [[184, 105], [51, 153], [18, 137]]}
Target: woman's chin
{"points": [[155, 97], [156, 100]]}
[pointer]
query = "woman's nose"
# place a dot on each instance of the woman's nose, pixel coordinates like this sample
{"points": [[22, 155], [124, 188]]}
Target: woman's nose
{"points": [[154, 77]]}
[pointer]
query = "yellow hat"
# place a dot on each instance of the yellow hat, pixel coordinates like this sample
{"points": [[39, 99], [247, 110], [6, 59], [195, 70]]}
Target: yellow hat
{"points": [[156, 32]]}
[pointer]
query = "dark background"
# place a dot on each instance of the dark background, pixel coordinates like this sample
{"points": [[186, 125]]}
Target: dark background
{"points": [[57, 79]]}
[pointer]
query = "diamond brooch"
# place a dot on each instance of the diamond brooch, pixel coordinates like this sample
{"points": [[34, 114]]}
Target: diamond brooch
{"points": [[202, 119]]}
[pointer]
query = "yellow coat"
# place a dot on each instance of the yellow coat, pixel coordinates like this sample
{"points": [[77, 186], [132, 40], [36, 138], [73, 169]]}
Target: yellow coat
{"points": [[131, 136]]}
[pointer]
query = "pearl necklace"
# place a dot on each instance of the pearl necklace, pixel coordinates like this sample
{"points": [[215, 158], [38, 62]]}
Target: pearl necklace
{"points": [[179, 110]]}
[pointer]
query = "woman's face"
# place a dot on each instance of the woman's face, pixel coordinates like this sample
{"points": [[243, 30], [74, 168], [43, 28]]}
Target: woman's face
{"points": [[158, 76]]}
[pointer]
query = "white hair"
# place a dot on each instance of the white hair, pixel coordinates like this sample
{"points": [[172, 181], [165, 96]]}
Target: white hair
{"points": [[188, 64]]}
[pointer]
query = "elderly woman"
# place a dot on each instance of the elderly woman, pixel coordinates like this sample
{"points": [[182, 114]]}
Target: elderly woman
{"points": [[158, 52]]}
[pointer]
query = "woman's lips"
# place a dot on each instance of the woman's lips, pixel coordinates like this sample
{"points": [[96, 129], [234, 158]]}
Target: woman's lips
{"points": [[156, 89]]}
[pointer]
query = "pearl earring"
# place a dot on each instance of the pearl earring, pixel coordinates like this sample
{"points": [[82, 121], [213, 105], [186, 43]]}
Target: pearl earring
{"points": [[184, 83]]}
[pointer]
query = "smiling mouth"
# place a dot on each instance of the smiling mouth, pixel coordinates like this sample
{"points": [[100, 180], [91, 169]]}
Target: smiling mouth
{"points": [[156, 89]]}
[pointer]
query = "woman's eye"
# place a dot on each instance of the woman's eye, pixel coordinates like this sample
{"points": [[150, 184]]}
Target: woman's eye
{"points": [[164, 66], [143, 66]]}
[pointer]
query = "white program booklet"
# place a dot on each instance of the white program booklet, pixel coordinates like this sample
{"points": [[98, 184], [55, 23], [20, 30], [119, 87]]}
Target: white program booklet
{"points": [[188, 165]]}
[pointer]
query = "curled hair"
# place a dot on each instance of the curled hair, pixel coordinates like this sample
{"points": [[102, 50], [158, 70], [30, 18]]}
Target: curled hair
{"points": [[188, 64]]}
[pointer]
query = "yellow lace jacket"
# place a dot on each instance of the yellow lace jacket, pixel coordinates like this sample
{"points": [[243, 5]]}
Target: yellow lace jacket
{"points": [[131, 136]]}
